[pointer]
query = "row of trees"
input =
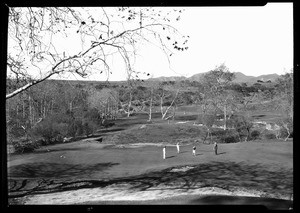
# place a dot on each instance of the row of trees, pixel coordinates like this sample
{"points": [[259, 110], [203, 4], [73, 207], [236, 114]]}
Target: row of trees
{"points": [[71, 109], [86, 108]]}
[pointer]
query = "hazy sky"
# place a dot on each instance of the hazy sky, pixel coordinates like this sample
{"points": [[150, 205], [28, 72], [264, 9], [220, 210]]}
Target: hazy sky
{"points": [[251, 40]]}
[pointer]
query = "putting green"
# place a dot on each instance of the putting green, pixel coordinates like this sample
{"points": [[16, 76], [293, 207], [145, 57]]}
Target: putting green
{"points": [[263, 167]]}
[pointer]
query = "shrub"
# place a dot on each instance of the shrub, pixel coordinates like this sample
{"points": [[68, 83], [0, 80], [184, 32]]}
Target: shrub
{"points": [[206, 119], [255, 134], [24, 146], [93, 115], [46, 129], [270, 135], [225, 136], [75, 128], [15, 131], [52, 129], [89, 127], [231, 139]]}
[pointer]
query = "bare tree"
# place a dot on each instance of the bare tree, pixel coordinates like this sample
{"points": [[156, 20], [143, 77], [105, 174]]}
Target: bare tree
{"points": [[285, 102], [36, 53], [148, 99], [165, 93], [105, 101], [217, 82]]}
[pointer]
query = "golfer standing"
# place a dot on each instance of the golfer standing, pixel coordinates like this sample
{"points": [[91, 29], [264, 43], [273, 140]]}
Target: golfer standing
{"points": [[177, 145], [194, 150], [164, 152], [216, 148]]}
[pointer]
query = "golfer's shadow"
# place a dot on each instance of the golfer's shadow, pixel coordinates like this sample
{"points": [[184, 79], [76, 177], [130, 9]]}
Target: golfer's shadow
{"points": [[170, 156], [221, 153]]}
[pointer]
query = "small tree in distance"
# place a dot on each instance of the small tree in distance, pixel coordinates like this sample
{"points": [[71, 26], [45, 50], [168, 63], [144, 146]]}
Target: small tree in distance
{"points": [[208, 120], [242, 125]]}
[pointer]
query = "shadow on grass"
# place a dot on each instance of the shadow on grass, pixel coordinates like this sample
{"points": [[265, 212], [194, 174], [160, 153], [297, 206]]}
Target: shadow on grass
{"points": [[227, 175], [221, 153], [50, 149], [101, 131], [270, 203], [56, 170]]}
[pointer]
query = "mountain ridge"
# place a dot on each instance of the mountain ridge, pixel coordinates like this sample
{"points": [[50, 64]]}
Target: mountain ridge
{"points": [[239, 78]]}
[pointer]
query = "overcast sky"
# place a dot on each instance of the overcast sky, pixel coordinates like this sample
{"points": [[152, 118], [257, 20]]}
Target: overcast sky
{"points": [[251, 40]]}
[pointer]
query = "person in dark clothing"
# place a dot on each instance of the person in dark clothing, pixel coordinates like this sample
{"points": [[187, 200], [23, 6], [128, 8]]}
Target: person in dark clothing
{"points": [[216, 148]]}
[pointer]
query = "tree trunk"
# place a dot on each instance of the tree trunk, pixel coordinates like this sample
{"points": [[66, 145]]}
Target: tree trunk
{"points": [[225, 117], [70, 106], [174, 113], [289, 133], [165, 113], [129, 104], [23, 109], [44, 110], [151, 102], [150, 110], [248, 135], [287, 136], [51, 107], [30, 111], [161, 107]]}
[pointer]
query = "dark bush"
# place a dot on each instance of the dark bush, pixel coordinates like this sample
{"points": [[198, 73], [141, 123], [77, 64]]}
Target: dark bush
{"points": [[89, 127], [218, 132], [93, 115], [255, 134], [75, 128], [46, 129], [186, 118], [284, 133], [270, 135], [225, 136], [108, 124], [24, 146], [231, 139], [16, 131], [53, 129]]}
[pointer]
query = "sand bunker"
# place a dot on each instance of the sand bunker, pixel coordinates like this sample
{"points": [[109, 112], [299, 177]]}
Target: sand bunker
{"points": [[137, 145], [182, 169], [124, 192]]}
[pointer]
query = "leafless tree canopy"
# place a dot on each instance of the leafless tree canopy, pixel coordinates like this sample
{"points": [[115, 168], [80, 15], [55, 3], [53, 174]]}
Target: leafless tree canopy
{"points": [[36, 48]]}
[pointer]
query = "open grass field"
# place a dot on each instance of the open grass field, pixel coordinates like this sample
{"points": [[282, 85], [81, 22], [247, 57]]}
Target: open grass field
{"points": [[128, 168]]}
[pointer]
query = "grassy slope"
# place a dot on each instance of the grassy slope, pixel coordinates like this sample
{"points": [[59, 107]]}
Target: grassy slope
{"points": [[265, 166], [251, 164]]}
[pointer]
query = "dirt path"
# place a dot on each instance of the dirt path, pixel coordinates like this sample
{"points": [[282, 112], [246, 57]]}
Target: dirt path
{"points": [[91, 172]]}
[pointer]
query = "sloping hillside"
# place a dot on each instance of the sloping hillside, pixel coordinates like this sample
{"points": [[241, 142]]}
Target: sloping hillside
{"points": [[239, 78]]}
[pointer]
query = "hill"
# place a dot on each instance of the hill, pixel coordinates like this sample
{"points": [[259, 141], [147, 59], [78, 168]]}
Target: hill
{"points": [[239, 78], [171, 78]]}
